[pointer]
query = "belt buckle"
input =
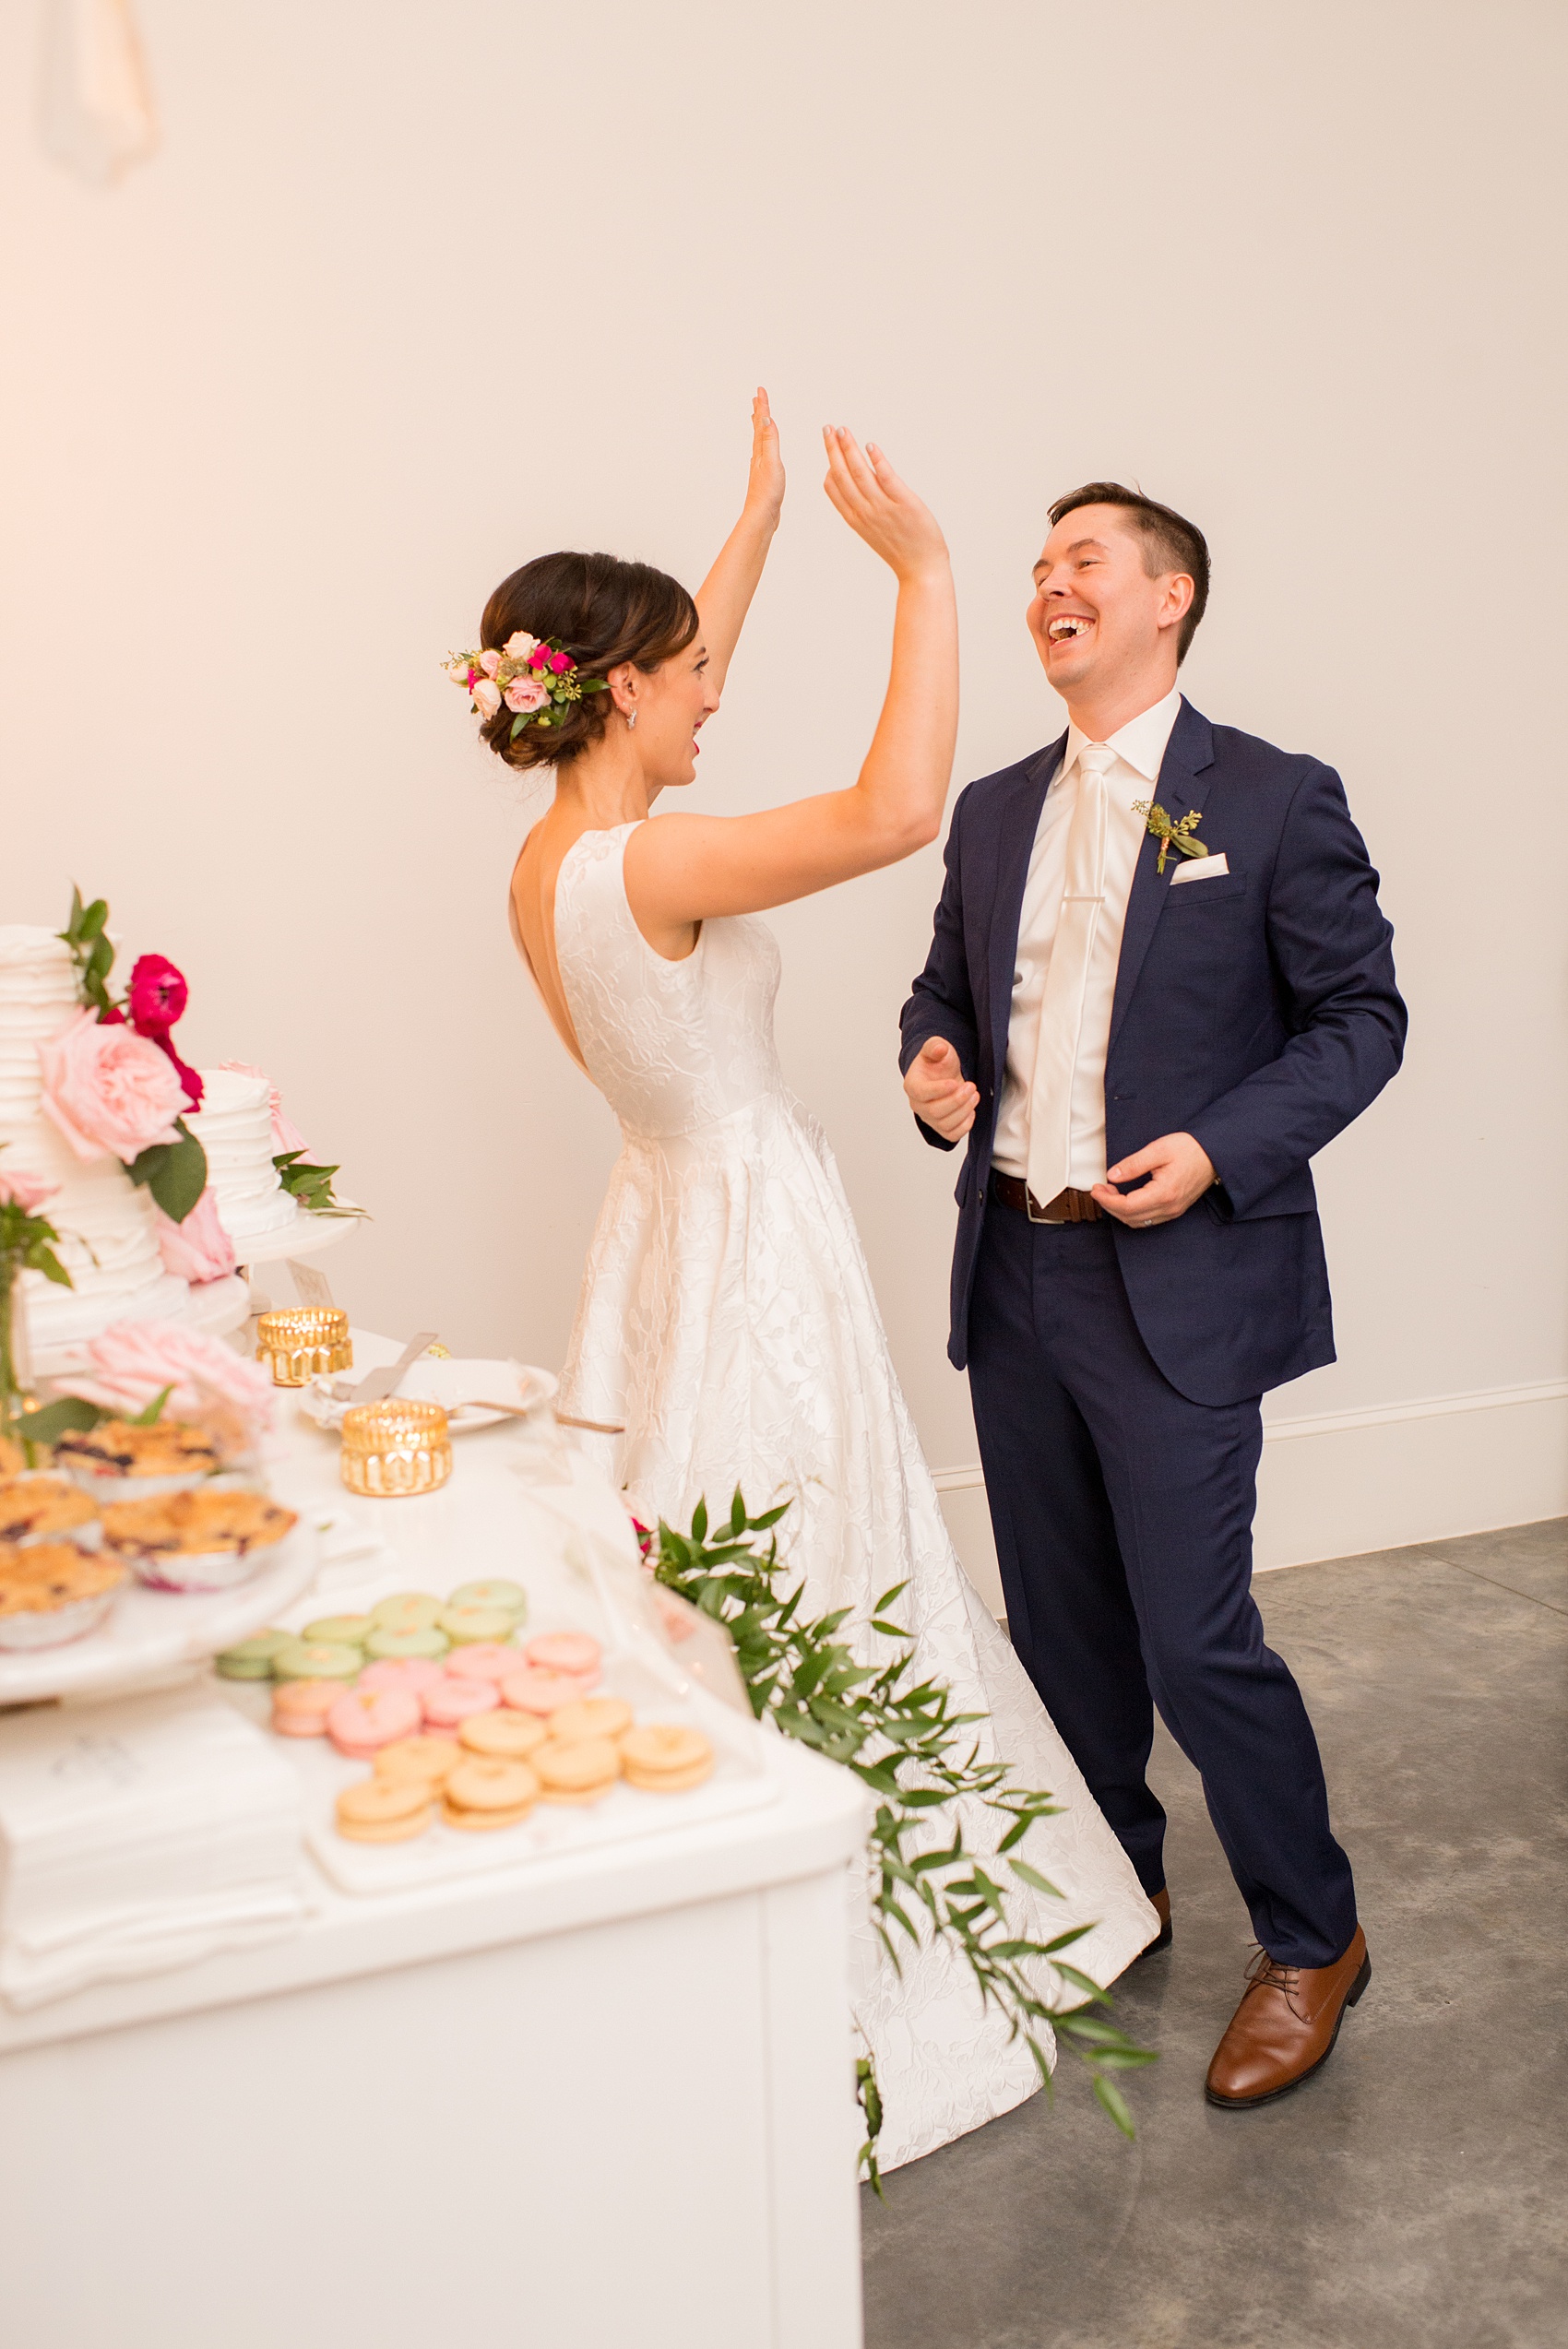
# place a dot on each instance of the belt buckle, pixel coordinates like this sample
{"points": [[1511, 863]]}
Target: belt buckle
{"points": [[1030, 1204]]}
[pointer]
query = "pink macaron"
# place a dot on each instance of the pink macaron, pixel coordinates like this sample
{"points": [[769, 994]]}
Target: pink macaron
{"points": [[575, 1651], [485, 1660], [300, 1707], [535, 1691], [415, 1672], [368, 1719], [449, 1705]]}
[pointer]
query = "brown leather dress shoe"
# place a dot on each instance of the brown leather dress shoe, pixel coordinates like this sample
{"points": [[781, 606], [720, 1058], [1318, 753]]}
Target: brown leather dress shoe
{"points": [[1285, 2028], [1160, 1903]]}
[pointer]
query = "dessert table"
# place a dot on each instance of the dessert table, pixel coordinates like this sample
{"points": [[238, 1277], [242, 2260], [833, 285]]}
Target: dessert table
{"points": [[597, 2095]]}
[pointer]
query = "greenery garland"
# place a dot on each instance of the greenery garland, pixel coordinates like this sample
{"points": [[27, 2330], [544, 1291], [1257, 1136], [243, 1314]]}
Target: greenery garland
{"points": [[903, 1741]]}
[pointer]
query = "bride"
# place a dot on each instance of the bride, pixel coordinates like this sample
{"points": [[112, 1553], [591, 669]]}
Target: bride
{"points": [[727, 1333]]}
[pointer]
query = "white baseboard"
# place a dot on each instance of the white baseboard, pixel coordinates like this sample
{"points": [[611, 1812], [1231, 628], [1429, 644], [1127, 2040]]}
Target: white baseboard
{"points": [[1341, 1483]]}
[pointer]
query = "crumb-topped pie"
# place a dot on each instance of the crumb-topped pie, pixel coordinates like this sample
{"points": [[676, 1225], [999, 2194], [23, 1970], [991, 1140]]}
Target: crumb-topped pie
{"points": [[53, 1592], [197, 1540], [44, 1509]]}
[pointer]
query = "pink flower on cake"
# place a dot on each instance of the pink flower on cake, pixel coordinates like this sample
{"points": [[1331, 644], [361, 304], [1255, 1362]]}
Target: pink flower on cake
{"points": [[525, 693], [108, 1089], [286, 1135], [20, 1189], [158, 995], [519, 646], [131, 1362], [199, 1249], [487, 695]]}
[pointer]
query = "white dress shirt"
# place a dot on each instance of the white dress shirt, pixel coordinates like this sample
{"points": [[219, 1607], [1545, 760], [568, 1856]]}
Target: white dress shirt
{"points": [[1139, 747]]}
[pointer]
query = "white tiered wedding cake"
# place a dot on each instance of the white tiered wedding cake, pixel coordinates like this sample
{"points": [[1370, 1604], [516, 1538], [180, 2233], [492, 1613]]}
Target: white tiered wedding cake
{"points": [[234, 1127], [108, 1230]]}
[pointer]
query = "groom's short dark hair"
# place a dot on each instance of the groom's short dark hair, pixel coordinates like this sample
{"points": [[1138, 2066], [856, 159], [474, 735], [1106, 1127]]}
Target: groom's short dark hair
{"points": [[1171, 541]]}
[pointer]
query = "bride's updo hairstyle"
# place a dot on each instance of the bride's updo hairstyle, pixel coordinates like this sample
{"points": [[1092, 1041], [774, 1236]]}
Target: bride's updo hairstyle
{"points": [[603, 612]]}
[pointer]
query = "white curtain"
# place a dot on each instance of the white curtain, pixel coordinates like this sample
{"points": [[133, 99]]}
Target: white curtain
{"points": [[98, 116]]}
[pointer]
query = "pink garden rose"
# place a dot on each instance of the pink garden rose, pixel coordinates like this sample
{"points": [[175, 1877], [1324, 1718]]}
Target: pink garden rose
{"points": [[489, 662], [286, 1135], [132, 1362], [519, 646], [108, 1089], [25, 1190], [199, 1249], [487, 695], [526, 693]]}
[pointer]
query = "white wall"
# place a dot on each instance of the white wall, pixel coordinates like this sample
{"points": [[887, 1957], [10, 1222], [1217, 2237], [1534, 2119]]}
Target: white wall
{"points": [[413, 292]]}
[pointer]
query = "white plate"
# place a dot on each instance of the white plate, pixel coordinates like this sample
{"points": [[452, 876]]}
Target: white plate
{"points": [[149, 1633], [434, 1379]]}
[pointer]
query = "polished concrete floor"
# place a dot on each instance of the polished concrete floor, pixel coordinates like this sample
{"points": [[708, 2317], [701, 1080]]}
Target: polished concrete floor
{"points": [[1415, 2194]]}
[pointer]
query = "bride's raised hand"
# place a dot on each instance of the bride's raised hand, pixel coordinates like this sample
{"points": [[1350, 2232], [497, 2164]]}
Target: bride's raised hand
{"points": [[881, 508], [765, 484]]}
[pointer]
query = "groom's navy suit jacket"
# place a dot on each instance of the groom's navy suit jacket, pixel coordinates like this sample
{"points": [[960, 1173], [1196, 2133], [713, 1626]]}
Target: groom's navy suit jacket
{"points": [[1256, 1011]]}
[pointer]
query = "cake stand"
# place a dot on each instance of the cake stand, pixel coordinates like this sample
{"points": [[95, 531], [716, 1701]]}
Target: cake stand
{"points": [[306, 1236], [149, 1634]]}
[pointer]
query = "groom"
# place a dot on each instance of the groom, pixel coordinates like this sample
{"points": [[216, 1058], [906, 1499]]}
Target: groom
{"points": [[1145, 1047]]}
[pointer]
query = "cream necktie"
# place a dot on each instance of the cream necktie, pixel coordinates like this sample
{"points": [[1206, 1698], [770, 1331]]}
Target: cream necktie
{"points": [[1066, 981]]}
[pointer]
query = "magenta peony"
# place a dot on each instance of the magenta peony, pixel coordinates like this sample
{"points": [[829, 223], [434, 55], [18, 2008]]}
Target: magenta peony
{"points": [[286, 1135], [199, 1249], [560, 663], [539, 657], [20, 1189], [526, 693], [158, 996], [131, 1362], [109, 1090]]}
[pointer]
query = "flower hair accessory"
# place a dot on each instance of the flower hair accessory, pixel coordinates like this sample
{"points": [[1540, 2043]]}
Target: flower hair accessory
{"points": [[536, 679]]}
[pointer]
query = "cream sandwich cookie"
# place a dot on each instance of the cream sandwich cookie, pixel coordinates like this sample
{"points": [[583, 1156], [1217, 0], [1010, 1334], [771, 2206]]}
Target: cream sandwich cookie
{"points": [[591, 1717], [466, 1624], [422, 1760], [580, 1772], [575, 1651], [373, 1812], [383, 1646], [406, 1611], [504, 1735], [452, 1701], [483, 1793], [361, 1723], [252, 1659], [666, 1758], [314, 1660], [509, 1597]]}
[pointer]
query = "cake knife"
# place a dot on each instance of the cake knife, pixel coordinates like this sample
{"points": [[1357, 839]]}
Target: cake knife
{"points": [[379, 1384]]}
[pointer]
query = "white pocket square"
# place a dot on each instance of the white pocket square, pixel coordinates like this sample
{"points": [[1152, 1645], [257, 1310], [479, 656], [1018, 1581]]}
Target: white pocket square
{"points": [[1199, 867]]}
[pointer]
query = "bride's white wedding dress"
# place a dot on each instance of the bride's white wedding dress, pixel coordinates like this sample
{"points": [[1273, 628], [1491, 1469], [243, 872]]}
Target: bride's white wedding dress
{"points": [[727, 1323]]}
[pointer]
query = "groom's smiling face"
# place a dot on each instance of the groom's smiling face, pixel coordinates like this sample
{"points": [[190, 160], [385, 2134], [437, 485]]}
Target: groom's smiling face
{"points": [[1098, 618]]}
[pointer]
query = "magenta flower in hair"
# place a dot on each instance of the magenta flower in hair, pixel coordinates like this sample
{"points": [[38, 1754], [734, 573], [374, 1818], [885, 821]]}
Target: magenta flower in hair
{"points": [[538, 682]]}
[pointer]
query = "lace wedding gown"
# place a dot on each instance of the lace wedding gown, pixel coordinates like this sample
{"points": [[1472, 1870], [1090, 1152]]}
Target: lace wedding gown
{"points": [[728, 1323]]}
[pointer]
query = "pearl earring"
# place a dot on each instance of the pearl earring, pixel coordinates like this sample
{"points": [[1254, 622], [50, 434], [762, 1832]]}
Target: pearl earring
{"points": [[631, 719]]}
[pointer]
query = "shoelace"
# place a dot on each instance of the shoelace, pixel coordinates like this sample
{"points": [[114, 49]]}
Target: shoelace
{"points": [[1265, 1973]]}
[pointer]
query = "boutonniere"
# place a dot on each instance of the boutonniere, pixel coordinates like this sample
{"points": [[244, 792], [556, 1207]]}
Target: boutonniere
{"points": [[1170, 835]]}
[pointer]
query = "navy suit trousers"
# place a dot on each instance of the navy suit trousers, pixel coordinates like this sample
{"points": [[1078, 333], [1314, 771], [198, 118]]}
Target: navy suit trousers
{"points": [[1123, 1519]]}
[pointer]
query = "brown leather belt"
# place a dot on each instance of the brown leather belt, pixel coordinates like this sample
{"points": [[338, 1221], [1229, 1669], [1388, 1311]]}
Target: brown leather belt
{"points": [[1067, 1208]]}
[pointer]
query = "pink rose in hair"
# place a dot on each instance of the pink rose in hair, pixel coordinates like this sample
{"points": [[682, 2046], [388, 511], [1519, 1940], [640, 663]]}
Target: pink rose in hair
{"points": [[286, 1135], [460, 671], [519, 646], [560, 663], [487, 695], [489, 662], [20, 1189], [526, 693], [108, 1089], [131, 1362], [158, 995], [199, 1249]]}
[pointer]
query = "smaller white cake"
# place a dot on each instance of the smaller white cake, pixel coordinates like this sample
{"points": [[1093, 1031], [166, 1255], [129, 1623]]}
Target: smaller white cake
{"points": [[234, 1127]]}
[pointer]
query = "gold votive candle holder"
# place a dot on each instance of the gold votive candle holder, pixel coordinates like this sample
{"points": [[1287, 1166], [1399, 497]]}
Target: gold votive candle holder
{"points": [[298, 1342], [394, 1447]]}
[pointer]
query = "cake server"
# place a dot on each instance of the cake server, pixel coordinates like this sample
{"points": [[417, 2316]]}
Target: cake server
{"points": [[379, 1384]]}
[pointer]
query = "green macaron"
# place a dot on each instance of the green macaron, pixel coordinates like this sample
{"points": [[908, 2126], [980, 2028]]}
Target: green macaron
{"points": [[317, 1660], [339, 1631], [406, 1611], [430, 1643], [465, 1626], [507, 1598], [252, 1659]]}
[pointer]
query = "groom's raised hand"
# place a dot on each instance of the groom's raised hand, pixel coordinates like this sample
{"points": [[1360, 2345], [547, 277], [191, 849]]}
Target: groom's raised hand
{"points": [[940, 1094], [1180, 1171]]}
